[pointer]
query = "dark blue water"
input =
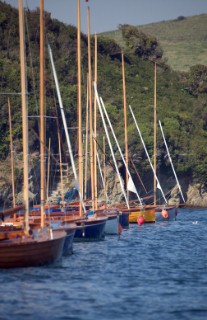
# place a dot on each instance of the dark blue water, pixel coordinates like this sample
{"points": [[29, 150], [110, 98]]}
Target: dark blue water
{"points": [[155, 271]]}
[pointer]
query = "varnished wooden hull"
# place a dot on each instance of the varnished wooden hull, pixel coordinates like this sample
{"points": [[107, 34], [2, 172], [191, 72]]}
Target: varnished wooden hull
{"points": [[28, 252], [10, 212], [148, 215]]}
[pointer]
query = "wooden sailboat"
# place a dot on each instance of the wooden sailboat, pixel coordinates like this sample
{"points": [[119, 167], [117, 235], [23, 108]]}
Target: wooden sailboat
{"points": [[29, 248], [162, 212], [93, 227], [139, 212], [136, 211], [112, 224], [68, 228], [70, 212], [89, 227]]}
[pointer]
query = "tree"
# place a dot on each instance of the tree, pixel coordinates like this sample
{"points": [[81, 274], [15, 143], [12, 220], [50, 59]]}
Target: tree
{"points": [[145, 46]]}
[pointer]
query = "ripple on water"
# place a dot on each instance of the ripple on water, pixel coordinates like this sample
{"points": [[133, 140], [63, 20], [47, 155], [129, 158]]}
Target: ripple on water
{"points": [[155, 271]]}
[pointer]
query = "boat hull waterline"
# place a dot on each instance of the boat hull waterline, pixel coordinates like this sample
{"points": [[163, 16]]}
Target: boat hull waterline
{"points": [[30, 252]]}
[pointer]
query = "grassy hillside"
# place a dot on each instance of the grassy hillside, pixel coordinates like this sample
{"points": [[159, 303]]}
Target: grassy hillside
{"points": [[184, 40]]}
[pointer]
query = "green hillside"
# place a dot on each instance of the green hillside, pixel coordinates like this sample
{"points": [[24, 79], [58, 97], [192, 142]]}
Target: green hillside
{"points": [[181, 97], [184, 40]]}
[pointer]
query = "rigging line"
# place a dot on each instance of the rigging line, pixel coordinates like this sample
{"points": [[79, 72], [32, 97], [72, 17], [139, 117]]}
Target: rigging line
{"points": [[101, 174], [98, 144], [11, 93], [66, 131], [36, 135], [48, 117], [158, 183], [108, 139], [54, 109], [35, 180], [137, 173], [171, 160], [121, 154]]}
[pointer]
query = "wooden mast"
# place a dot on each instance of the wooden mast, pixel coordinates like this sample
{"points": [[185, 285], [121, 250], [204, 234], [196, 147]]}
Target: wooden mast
{"points": [[155, 133], [95, 130], [61, 165], [48, 170], [80, 148], [86, 146], [125, 123], [24, 116], [12, 155], [42, 117], [91, 111]]}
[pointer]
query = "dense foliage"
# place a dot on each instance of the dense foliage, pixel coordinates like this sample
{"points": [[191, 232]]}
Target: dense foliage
{"points": [[181, 97], [183, 40]]}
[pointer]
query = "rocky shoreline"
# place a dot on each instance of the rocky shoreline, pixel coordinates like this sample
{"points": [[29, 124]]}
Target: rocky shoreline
{"points": [[195, 195]]}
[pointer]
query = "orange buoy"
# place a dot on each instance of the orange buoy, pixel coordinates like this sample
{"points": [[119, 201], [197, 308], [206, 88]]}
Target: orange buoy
{"points": [[164, 213], [140, 220]]}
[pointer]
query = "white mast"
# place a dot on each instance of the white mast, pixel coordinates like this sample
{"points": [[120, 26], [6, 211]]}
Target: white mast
{"points": [[65, 127], [158, 184], [126, 166], [171, 161], [112, 153]]}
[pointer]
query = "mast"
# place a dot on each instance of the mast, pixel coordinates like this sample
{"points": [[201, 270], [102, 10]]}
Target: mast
{"points": [[66, 128], [61, 165], [91, 111], [24, 116], [48, 170], [12, 154], [125, 123], [155, 132], [95, 130], [158, 184], [80, 148], [110, 146], [104, 168], [127, 169], [168, 152], [86, 146], [42, 117]]}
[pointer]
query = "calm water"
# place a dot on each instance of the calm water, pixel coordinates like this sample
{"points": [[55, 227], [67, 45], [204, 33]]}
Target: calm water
{"points": [[156, 271]]}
